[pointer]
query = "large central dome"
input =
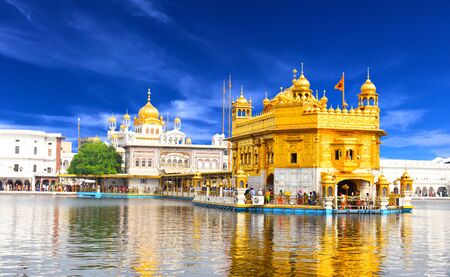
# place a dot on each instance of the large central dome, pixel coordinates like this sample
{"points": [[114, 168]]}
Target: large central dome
{"points": [[148, 113]]}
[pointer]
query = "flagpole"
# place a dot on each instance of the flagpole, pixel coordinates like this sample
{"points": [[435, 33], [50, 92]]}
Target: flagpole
{"points": [[229, 123], [343, 92], [223, 107]]}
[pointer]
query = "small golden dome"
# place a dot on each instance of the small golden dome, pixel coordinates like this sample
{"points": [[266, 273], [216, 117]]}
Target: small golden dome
{"points": [[188, 141], [177, 120], [328, 178], [382, 180], [242, 100], [126, 116], [122, 126], [368, 87], [112, 119], [406, 175]]}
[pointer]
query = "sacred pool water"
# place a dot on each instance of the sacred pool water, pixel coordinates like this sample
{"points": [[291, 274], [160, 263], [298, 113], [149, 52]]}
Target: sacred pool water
{"points": [[46, 236]]}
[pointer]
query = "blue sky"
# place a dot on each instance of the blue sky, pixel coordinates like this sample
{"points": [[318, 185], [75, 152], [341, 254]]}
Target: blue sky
{"points": [[60, 60]]}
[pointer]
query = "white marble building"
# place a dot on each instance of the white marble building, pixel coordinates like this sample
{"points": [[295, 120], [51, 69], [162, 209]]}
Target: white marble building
{"points": [[28, 158], [431, 178], [150, 149]]}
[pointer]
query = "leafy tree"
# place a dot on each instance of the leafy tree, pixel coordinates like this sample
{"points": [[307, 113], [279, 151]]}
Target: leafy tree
{"points": [[95, 158]]}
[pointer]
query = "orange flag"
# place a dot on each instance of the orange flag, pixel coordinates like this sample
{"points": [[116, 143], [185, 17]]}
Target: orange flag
{"points": [[340, 85]]}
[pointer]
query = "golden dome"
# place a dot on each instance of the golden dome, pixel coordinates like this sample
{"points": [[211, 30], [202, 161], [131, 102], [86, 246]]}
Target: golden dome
{"points": [[122, 126], [126, 116], [302, 83], [406, 175], [382, 180], [368, 87], [148, 113], [188, 141], [177, 120], [242, 100], [112, 119], [328, 178]]}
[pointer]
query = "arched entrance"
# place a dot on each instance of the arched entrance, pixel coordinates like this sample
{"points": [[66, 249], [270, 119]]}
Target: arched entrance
{"points": [[18, 185], [418, 191], [346, 187], [27, 185], [269, 182]]}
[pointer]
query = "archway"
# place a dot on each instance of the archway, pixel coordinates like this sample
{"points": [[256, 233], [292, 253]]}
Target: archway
{"points": [[431, 192], [269, 182], [442, 191], [424, 191], [346, 187], [27, 185], [418, 191], [18, 185]]}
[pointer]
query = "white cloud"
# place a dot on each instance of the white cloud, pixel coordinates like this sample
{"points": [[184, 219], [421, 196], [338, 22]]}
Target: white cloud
{"points": [[401, 119], [21, 7], [147, 8], [436, 139]]}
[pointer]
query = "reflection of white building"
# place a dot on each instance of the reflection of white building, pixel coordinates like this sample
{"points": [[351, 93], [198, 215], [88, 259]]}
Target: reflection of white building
{"points": [[430, 177], [152, 149], [28, 158]]}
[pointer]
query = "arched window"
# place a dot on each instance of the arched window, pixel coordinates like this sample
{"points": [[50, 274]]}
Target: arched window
{"points": [[149, 163], [350, 154], [137, 163], [146, 130], [239, 113], [143, 163], [152, 131], [337, 154], [371, 101], [384, 193], [157, 131], [330, 192]]}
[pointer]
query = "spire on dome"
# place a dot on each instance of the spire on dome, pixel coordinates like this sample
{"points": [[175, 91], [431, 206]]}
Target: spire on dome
{"points": [[368, 73], [148, 95], [294, 73], [302, 68]]}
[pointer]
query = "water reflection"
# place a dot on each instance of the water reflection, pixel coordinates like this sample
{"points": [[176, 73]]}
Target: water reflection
{"points": [[56, 236]]}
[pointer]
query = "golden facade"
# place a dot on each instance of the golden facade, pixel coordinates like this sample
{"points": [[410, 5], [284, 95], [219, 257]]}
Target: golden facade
{"points": [[299, 134]]}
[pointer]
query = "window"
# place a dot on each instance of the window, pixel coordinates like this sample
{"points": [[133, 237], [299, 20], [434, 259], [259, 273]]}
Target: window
{"points": [[17, 140], [337, 155], [149, 163], [293, 158], [16, 168], [49, 169], [143, 163], [35, 150], [350, 154], [49, 143], [17, 149], [49, 152], [34, 168], [137, 163]]}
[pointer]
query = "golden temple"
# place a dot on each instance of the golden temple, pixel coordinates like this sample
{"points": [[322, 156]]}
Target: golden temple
{"points": [[300, 142]]}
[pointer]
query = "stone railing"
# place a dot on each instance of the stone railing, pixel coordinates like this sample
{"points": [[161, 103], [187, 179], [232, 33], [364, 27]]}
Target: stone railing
{"points": [[215, 199]]}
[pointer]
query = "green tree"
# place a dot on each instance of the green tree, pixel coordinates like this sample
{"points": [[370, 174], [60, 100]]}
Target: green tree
{"points": [[95, 158]]}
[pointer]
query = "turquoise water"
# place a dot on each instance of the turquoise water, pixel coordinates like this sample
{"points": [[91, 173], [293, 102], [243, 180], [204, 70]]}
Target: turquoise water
{"points": [[53, 236]]}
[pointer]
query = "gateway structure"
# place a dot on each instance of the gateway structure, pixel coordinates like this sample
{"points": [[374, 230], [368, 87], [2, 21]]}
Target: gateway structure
{"points": [[151, 150], [299, 142]]}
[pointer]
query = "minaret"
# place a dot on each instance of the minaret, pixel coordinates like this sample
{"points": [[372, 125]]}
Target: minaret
{"points": [[368, 98], [112, 123]]}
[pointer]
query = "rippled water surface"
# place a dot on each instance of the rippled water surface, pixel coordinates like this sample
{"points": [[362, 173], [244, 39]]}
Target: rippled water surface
{"points": [[51, 236]]}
